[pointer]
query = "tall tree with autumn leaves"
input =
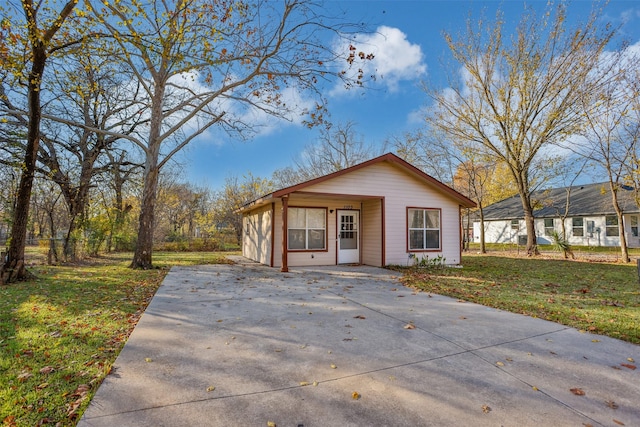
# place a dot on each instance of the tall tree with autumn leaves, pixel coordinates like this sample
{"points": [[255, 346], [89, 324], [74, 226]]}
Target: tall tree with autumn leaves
{"points": [[519, 94], [26, 48]]}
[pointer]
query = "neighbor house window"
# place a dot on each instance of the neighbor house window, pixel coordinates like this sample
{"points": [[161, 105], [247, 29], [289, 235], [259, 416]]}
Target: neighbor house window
{"points": [[611, 222], [515, 224], [548, 226], [423, 229], [578, 227], [306, 229], [633, 223]]}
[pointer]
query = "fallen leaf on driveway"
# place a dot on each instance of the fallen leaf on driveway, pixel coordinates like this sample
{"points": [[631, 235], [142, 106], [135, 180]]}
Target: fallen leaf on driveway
{"points": [[359, 316], [210, 388], [409, 326], [628, 366], [148, 359], [499, 363], [630, 359], [333, 366], [611, 404], [620, 423], [355, 395], [577, 391], [304, 383], [486, 409], [271, 424]]}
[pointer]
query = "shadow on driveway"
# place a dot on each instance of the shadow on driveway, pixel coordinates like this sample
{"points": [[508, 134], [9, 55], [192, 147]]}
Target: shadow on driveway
{"points": [[245, 345]]}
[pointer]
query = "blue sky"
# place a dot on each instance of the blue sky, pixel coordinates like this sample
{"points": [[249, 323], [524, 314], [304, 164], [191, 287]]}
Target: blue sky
{"points": [[412, 52]]}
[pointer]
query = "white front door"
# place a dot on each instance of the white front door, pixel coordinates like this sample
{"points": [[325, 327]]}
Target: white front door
{"points": [[348, 237]]}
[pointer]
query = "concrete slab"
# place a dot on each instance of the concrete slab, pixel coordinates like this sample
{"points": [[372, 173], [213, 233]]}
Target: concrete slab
{"points": [[244, 345]]}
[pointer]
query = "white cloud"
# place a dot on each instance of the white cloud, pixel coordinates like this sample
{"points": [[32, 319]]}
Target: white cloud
{"points": [[395, 58]]}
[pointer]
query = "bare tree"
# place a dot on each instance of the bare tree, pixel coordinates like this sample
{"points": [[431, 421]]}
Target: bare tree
{"points": [[204, 63], [610, 138], [338, 147], [518, 95]]}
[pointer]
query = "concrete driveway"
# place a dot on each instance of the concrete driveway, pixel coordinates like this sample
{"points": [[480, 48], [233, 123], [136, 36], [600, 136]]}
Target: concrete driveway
{"points": [[246, 345]]}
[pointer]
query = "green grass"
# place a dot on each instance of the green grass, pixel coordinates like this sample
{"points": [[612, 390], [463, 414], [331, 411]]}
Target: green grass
{"points": [[598, 297], [61, 333]]}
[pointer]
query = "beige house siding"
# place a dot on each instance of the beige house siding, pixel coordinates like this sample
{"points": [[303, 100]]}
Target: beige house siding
{"points": [[371, 221], [400, 190], [381, 190], [308, 258], [256, 235]]}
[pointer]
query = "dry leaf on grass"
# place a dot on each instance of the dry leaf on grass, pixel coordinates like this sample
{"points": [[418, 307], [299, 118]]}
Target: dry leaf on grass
{"points": [[47, 370], [25, 375]]}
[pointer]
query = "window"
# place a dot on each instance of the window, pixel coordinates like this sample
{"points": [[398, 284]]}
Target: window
{"points": [[515, 224], [548, 226], [578, 227], [611, 222], [306, 228], [633, 223], [424, 229]]}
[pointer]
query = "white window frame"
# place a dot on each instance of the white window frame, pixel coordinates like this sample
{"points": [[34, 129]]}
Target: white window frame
{"points": [[425, 229], [611, 230], [549, 229], [307, 230], [575, 227]]}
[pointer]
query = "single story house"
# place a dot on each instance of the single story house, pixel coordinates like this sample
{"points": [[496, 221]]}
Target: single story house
{"points": [[589, 221], [380, 212]]}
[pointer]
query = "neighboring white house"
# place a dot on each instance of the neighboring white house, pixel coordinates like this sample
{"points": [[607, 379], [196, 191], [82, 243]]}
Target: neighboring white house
{"points": [[589, 221], [380, 212]]}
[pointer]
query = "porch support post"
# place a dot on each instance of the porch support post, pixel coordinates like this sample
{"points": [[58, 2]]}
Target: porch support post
{"points": [[285, 244]]}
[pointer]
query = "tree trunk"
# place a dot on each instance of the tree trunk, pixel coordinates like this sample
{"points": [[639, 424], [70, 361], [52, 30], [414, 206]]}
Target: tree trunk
{"points": [[14, 268], [483, 246], [529, 221], [624, 251], [142, 257]]}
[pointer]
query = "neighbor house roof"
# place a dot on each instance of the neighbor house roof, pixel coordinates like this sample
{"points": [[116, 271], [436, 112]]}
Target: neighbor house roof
{"points": [[584, 200], [390, 158]]}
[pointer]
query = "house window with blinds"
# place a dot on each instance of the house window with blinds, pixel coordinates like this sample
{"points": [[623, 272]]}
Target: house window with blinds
{"points": [[423, 229], [306, 229]]}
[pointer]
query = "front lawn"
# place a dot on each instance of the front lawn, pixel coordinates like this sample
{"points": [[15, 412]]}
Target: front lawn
{"points": [[598, 297], [61, 333]]}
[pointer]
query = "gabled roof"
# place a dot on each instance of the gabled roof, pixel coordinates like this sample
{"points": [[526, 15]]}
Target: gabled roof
{"points": [[584, 200], [390, 158]]}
